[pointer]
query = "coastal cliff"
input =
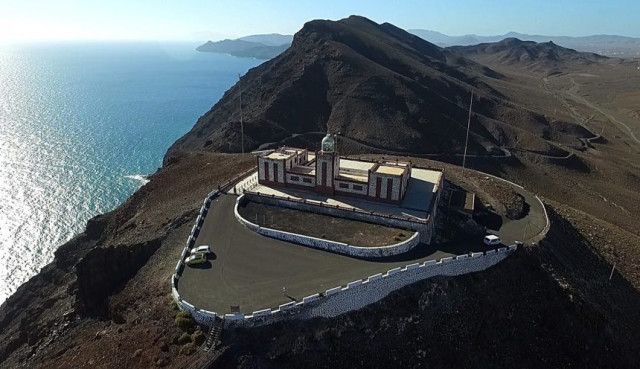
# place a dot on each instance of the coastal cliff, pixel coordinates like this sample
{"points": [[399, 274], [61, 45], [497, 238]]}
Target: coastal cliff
{"points": [[105, 300]]}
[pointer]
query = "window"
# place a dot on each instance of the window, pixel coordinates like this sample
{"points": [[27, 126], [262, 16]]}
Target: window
{"points": [[295, 178], [357, 187], [307, 180], [343, 185]]}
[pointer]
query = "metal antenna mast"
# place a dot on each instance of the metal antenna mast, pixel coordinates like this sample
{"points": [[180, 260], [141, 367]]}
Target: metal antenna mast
{"points": [[466, 141], [241, 120]]}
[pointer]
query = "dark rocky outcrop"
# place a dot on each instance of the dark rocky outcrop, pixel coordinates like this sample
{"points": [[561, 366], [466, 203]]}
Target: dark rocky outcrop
{"points": [[375, 84], [103, 270]]}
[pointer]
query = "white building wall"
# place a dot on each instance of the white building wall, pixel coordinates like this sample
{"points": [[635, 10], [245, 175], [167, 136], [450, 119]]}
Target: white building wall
{"points": [[350, 188], [383, 190], [300, 180], [281, 171], [395, 190], [372, 185], [319, 179], [395, 186]]}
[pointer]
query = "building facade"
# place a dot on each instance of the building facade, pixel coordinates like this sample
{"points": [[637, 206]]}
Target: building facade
{"points": [[326, 173]]}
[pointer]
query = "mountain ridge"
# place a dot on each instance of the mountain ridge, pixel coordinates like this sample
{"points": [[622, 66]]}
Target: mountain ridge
{"points": [[373, 83], [608, 45], [546, 57]]}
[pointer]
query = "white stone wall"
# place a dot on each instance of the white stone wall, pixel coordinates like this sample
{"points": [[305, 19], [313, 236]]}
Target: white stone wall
{"points": [[425, 228], [350, 188], [337, 300], [358, 294], [332, 246]]}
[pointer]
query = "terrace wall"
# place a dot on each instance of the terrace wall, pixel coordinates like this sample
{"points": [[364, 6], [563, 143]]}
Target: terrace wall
{"points": [[425, 228], [360, 293], [332, 246]]}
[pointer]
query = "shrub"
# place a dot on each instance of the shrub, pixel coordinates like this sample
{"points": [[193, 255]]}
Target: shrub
{"points": [[185, 321], [198, 337], [185, 338], [188, 349]]}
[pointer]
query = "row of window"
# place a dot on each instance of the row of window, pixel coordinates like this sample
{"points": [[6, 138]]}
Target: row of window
{"points": [[346, 186], [297, 179]]}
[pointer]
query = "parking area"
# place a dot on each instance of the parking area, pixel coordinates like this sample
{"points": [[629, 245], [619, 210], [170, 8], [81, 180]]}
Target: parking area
{"points": [[255, 272]]}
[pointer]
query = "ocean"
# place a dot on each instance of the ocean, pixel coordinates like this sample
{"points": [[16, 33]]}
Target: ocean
{"points": [[81, 124]]}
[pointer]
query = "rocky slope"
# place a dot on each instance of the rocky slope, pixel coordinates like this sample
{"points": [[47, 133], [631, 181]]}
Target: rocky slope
{"points": [[105, 300], [544, 57], [375, 84]]}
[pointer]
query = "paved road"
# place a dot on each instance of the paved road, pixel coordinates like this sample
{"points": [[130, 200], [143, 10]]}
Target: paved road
{"points": [[526, 228], [250, 270]]}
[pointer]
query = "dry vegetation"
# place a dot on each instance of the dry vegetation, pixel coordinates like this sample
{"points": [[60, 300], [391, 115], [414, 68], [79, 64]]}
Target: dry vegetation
{"points": [[351, 232]]}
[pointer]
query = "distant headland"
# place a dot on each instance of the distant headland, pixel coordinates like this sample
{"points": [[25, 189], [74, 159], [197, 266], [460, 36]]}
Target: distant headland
{"points": [[254, 46]]}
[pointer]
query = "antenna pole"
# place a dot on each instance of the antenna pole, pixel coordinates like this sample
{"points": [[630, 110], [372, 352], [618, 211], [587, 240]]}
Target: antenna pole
{"points": [[466, 141], [241, 120], [612, 269]]}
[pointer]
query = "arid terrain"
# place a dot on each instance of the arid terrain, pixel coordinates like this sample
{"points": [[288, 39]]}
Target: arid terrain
{"points": [[564, 126]]}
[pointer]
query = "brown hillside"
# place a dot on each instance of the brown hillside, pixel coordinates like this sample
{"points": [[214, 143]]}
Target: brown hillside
{"points": [[544, 57], [375, 84]]}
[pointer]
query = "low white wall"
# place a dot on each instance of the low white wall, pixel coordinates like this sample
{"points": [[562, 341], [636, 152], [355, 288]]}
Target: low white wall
{"points": [[360, 293], [425, 228], [337, 300], [333, 246]]}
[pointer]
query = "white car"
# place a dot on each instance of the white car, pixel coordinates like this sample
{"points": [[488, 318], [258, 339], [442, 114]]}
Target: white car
{"points": [[204, 249], [491, 240]]}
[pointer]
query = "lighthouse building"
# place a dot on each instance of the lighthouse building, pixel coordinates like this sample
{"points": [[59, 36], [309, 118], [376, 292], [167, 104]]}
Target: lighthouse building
{"points": [[325, 172]]}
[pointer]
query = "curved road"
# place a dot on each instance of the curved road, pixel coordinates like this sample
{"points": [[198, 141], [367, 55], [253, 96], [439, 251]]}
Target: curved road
{"points": [[250, 270]]}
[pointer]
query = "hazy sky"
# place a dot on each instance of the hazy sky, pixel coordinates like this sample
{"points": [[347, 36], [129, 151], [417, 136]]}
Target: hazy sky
{"points": [[215, 19]]}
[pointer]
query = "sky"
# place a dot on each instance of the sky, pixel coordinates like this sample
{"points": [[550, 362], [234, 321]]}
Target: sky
{"points": [[198, 20]]}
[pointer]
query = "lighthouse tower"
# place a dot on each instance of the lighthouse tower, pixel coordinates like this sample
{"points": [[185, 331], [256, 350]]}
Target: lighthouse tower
{"points": [[327, 165]]}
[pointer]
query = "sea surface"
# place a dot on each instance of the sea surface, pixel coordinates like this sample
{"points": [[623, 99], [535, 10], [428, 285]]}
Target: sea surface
{"points": [[81, 124]]}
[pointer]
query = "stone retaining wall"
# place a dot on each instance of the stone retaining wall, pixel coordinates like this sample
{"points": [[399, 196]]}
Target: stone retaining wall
{"points": [[337, 300], [360, 293], [424, 228], [332, 246]]}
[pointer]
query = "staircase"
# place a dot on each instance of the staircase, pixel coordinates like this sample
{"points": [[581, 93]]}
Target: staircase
{"points": [[214, 335]]}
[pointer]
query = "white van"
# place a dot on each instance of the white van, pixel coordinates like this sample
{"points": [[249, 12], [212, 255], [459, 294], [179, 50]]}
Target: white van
{"points": [[491, 240]]}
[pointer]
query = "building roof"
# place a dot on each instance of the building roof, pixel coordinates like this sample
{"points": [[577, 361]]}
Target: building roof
{"points": [[284, 153], [279, 155], [356, 164], [364, 178], [303, 169], [389, 169]]}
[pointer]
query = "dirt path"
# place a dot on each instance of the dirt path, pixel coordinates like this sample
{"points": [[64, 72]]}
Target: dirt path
{"points": [[584, 101], [572, 93]]}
